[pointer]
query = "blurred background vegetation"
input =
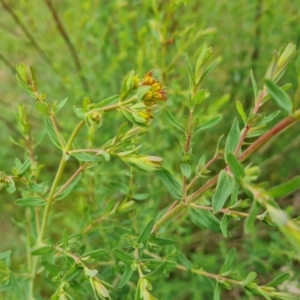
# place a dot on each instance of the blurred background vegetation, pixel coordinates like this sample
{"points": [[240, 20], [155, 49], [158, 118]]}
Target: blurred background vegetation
{"points": [[85, 48]]}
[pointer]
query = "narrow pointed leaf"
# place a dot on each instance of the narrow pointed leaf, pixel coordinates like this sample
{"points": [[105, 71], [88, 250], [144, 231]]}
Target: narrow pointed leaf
{"points": [[183, 260], [186, 170], [172, 120], [279, 96], [126, 276], [60, 105], [43, 250], [145, 234], [236, 167], [157, 272], [204, 219], [95, 253], [30, 201], [285, 188], [173, 186], [217, 291], [69, 189], [224, 189], [279, 279], [51, 133], [249, 222], [250, 278], [254, 84], [209, 123], [232, 138], [227, 266], [125, 257], [241, 111]]}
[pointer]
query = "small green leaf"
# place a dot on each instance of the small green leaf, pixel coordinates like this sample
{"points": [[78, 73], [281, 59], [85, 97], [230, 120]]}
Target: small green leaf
{"points": [[254, 84], [172, 120], [145, 234], [191, 74], [236, 167], [285, 188], [197, 99], [161, 241], [186, 170], [79, 113], [218, 145], [10, 186], [232, 138], [74, 272], [268, 118], [25, 167], [250, 278], [60, 105], [125, 257], [69, 189], [81, 156], [52, 269], [217, 291], [5, 254], [279, 279], [249, 222], [204, 218], [95, 253], [51, 133], [227, 266], [183, 260], [279, 96], [224, 188], [157, 272], [209, 123], [285, 296], [43, 250], [126, 276], [173, 186], [142, 91], [30, 201], [140, 197], [241, 112], [108, 101], [224, 224]]}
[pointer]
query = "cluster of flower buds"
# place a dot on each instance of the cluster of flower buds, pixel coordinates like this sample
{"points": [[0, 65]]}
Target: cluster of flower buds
{"points": [[149, 91], [155, 93]]}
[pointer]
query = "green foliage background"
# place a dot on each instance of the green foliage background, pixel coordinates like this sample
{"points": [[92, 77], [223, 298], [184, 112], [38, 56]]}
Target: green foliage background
{"points": [[112, 37]]}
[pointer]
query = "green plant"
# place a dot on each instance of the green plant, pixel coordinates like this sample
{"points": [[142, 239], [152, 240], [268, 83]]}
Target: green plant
{"points": [[117, 248]]}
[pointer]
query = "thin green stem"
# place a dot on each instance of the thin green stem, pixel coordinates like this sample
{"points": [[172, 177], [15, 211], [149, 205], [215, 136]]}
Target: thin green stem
{"points": [[113, 106], [50, 201], [69, 181], [208, 164], [61, 142], [187, 146], [197, 271], [224, 211]]}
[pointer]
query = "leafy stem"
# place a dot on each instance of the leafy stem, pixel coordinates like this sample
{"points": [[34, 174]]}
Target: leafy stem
{"points": [[278, 128]]}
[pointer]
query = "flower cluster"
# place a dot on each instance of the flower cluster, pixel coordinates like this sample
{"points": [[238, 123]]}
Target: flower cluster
{"points": [[155, 93]]}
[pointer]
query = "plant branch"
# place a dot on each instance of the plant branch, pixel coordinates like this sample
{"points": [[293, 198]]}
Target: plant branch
{"points": [[224, 211], [282, 125]]}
